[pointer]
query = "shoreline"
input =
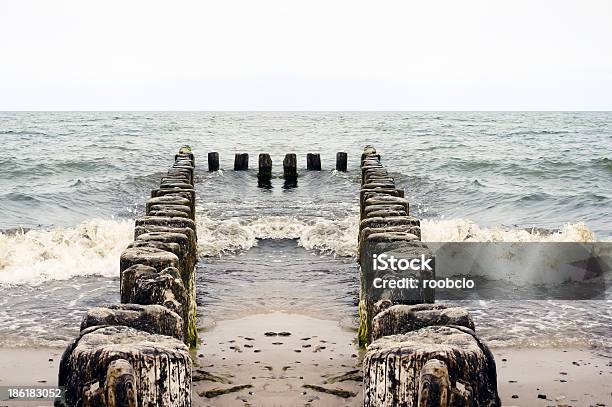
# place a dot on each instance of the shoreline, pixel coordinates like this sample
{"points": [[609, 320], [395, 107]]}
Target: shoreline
{"points": [[549, 376], [237, 364], [29, 367]]}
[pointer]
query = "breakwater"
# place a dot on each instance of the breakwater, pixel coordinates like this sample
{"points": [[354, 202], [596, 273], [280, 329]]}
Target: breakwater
{"points": [[418, 353], [136, 353], [313, 163]]}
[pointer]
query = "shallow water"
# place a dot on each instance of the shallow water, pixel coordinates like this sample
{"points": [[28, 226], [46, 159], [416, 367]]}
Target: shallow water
{"points": [[78, 179], [278, 276]]}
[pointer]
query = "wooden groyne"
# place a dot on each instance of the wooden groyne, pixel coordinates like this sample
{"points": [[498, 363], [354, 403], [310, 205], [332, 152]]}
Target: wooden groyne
{"points": [[418, 353], [290, 163], [136, 353]]}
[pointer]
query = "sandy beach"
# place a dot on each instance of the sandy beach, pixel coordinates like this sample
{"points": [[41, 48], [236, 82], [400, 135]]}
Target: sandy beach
{"points": [[31, 368], [553, 377], [291, 360], [284, 359]]}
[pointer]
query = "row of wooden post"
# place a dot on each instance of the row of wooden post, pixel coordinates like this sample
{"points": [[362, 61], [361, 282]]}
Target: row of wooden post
{"points": [[136, 353], [313, 163], [418, 353]]}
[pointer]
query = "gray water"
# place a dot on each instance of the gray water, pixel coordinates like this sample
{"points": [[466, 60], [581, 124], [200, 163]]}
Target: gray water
{"points": [[525, 169], [78, 179]]}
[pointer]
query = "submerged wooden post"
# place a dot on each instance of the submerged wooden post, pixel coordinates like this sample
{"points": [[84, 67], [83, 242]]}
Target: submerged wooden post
{"points": [[313, 162], [265, 166], [213, 161], [341, 161], [290, 166], [241, 162]]}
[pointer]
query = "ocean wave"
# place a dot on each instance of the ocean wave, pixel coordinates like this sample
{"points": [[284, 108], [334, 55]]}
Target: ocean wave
{"points": [[605, 162], [19, 197], [216, 237], [534, 196], [53, 167], [519, 264], [84, 165], [464, 230], [539, 132], [23, 133], [141, 181], [339, 237], [531, 167], [91, 248]]}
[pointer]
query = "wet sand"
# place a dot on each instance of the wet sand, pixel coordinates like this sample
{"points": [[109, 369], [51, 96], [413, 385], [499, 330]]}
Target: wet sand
{"points": [[254, 369], [278, 359], [29, 367], [553, 377], [238, 353]]}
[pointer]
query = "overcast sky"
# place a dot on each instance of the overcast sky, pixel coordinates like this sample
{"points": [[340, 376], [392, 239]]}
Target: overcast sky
{"points": [[306, 55]]}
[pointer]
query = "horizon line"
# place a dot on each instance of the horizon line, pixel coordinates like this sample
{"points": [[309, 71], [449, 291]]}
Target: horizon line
{"points": [[304, 111]]}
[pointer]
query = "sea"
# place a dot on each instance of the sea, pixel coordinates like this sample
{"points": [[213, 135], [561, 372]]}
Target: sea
{"points": [[72, 183]]}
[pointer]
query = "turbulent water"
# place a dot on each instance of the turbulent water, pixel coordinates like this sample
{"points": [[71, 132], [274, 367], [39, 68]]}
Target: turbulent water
{"points": [[72, 183]]}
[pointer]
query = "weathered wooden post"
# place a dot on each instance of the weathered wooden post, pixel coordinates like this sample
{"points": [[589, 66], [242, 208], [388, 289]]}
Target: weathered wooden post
{"points": [[120, 384], [154, 319], [160, 374], [440, 366], [213, 161], [290, 166], [401, 319], [313, 162], [434, 385], [134, 353], [290, 171], [419, 354], [264, 176], [146, 286], [241, 162], [341, 161], [265, 166]]}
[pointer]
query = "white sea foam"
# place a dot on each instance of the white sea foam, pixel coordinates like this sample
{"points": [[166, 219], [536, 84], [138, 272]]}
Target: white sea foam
{"points": [[91, 248], [94, 246], [225, 236], [464, 230], [519, 263], [340, 236]]}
